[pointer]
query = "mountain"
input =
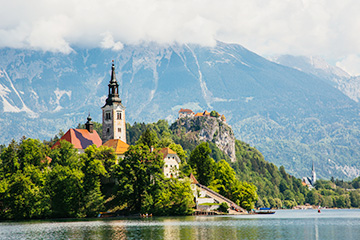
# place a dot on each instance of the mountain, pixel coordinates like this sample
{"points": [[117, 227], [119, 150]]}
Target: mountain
{"points": [[293, 117], [349, 85]]}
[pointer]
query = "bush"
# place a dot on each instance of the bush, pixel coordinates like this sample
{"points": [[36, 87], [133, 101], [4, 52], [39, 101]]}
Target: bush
{"points": [[223, 207]]}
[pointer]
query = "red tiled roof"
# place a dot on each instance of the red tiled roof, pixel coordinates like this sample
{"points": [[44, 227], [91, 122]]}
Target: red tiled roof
{"points": [[199, 115], [80, 138], [166, 151], [184, 110], [206, 113], [119, 146]]}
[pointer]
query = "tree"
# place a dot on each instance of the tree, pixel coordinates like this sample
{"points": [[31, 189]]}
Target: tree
{"points": [[214, 113], [66, 190], [202, 164], [140, 175], [93, 167], [9, 159], [173, 198], [65, 155], [148, 138], [32, 152], [223, 207], [24, 199], [245, 195], [224, 179], [355, 198]]}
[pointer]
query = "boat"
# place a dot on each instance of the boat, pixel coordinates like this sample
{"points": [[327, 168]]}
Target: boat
{"points": [[264, 211]]}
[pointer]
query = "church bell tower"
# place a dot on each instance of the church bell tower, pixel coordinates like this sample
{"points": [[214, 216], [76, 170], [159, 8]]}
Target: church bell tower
{"points": [[113, 112]]}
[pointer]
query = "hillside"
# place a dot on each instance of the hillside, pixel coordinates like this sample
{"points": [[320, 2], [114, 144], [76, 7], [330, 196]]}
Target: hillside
{"points": [[292, 117], [275, 186]]}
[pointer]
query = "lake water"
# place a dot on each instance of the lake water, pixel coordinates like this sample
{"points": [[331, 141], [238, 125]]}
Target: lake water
{"points": [[284, 224]]}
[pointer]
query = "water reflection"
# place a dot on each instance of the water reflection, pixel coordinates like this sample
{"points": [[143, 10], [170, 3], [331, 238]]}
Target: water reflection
{"points": [[283, 225]]}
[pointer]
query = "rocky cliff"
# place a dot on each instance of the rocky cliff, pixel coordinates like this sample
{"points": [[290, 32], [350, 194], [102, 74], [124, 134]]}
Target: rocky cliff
{"points": [[209, 129]]}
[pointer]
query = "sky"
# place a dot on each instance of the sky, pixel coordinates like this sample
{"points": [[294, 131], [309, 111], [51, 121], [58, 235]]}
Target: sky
{"points": [[329, 29]]}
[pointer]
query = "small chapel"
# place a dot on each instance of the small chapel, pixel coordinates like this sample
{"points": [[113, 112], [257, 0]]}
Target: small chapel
{"points": [[114, 131]]}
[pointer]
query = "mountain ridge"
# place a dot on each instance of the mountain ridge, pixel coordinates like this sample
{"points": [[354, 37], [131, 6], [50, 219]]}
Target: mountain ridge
{"points": [[287, 114]]}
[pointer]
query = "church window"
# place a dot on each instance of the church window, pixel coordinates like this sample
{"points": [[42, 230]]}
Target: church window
{"points": [[107, 116], [108, 130], [119, 115], [119, 130]]}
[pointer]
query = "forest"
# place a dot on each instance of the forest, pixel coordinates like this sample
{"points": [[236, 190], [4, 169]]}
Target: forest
{"points": [[40, 182]]}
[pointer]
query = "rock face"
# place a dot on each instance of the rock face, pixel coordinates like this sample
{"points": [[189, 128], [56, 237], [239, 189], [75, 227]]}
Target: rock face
{"points": [[210, 129]]}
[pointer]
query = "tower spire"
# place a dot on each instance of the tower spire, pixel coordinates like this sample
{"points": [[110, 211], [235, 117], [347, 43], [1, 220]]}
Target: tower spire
{"points": [[113, 75], [113, 96], [313, 173]]}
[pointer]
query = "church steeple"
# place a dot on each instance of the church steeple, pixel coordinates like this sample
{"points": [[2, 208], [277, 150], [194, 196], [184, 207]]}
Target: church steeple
{"points": [[114, 125], [313, 174], [113, 96]]}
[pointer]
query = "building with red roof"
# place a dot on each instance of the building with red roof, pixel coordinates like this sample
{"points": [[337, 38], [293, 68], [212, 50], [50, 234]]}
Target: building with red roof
{"points": [[81, 138], [183, 112]]}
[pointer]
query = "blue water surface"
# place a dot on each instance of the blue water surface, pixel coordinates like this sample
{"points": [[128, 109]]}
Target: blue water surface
{"points": [[284, 224]]}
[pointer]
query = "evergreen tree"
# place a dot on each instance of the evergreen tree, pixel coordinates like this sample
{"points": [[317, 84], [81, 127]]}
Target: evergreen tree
{"points": [[202, 164]]}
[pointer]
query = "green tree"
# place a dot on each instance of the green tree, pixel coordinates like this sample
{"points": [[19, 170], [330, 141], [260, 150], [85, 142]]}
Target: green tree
{"points": [[223, 207], [140, 176], [224, 179], [245, 195], [148, 138], [65, 155], [173, 198], [65, 186], [202, 164], [9, 159], [355, 199], [93, 167], [24, 199], [32, 151], [214, 113]]}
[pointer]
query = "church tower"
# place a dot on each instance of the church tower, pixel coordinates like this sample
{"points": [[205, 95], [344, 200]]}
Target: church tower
{"points": [[113, 112], [313, 174]]}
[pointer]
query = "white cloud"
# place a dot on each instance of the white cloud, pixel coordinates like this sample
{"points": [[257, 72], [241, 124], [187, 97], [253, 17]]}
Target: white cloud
{"points": [[327, 28], [108, 42], [350, 64]]}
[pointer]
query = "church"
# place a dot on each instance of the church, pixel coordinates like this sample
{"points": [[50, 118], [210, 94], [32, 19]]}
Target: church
{"points": [[114, 131]]}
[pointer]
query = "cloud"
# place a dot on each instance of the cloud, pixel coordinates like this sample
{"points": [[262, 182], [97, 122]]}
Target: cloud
{"points": [[350, 64], [108, 42], [328, 28]]}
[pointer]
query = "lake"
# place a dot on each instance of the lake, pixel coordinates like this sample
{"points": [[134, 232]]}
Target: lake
{"points": [[284, 224]]}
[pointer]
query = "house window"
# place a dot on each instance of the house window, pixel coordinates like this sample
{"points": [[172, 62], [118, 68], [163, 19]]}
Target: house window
{"points": [[166, 165], [118, 115], [173, 157]]}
